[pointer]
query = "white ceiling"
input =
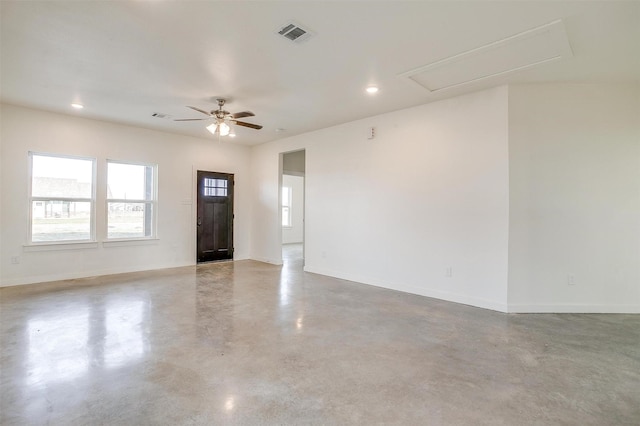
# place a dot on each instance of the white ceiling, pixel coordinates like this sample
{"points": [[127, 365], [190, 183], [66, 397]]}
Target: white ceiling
{"points": [[125, 60]]}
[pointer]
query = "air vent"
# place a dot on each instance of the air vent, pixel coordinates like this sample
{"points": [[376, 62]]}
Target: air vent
{"points": [[295, 32]]}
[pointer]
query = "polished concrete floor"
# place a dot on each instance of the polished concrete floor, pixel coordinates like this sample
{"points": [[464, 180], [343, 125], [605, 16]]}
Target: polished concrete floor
{"points": [[251, 343]]}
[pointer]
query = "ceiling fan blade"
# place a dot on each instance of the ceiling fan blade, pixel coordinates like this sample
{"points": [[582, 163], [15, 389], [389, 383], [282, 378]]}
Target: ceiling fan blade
{"points": [[243, 124], [242, 114], [190, 119], [199, 110]]}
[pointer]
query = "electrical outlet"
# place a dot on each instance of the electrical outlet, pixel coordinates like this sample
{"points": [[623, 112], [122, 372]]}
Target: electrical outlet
{"points": [[324, 254], [448, 272], [15, 260], [571, 279], [372, 133]]}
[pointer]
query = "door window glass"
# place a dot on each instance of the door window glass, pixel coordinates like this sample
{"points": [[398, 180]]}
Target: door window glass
{"points": [[214, 187]]}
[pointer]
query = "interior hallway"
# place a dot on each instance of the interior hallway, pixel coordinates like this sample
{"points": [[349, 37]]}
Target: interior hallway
{"points": [[252, 343], [292, 255]]}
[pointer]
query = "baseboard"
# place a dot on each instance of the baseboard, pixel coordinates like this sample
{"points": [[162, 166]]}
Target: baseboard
{"points": [[277, 262], [435, 294], [86, 274], [573, 309]]}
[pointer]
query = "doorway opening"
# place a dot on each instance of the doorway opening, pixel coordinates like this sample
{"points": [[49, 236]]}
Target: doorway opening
{"points": [[292, 193], [215, 216]]}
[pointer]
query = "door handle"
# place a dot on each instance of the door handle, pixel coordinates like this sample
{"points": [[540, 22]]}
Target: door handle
{"points": [[199, 221]]}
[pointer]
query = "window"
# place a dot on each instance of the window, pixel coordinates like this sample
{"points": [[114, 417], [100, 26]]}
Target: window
{"points": [[62, 198], [286, 206], [215, 187], [131, 200]]}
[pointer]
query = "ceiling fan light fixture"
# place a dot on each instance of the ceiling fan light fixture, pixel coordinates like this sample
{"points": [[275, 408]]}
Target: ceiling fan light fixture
{"points": [[212, 128], [221, 120], [224, 129]]}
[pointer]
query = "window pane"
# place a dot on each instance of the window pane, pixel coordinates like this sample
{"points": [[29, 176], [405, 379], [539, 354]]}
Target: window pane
{"points": [[55, 220], [286, 217], [128, 181], [214, 192], [129, 220], [58, 177], [286, 191]]}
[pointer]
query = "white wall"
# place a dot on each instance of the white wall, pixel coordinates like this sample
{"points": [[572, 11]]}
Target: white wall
{"points": [[294, 233], [574, 198], [537, 181], [177, 157], [430, 192]]}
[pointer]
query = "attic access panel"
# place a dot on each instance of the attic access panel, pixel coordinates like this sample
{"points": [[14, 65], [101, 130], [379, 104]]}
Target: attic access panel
{"points": [[528, 49]]}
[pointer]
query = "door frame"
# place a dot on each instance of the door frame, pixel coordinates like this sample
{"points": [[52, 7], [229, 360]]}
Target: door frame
{"points": [[304, 201], [195, 211]]}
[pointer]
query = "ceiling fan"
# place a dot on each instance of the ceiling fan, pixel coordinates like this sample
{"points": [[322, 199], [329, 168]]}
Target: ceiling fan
{"points": [[222, 119]]}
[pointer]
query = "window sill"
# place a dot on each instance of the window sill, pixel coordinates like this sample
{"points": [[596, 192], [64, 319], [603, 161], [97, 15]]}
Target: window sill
{"points": [[72, 245], [81, 245], [130, 242]]}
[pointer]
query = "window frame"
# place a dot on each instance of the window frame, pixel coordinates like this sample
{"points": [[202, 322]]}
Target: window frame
{"points": [[153, 201], [91, 201]]}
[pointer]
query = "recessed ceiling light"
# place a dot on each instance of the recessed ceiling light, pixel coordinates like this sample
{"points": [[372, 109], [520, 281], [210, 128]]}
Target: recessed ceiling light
{"points": [[77, 106], [280, 129], [372, 89]]}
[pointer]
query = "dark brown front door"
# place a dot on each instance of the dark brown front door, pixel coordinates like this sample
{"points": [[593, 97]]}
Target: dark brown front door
{"points": [[215, 216]]}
